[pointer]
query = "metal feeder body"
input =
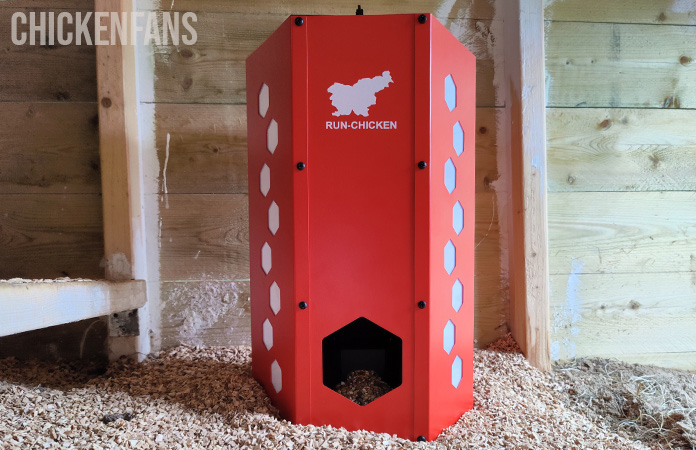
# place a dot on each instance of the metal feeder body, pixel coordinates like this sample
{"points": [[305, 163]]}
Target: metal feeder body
{"points": [[361, 208]]}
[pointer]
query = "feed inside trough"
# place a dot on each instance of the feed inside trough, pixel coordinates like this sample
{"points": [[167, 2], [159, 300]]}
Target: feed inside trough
{"points": [[363, 387]]}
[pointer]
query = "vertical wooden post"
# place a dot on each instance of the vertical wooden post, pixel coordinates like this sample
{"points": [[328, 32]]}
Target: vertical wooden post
{"points": [[120, 155], [528, 244]]}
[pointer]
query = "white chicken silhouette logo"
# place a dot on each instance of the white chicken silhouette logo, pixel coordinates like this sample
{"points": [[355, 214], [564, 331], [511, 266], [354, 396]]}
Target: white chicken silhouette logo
{"points": [[360, 96]]}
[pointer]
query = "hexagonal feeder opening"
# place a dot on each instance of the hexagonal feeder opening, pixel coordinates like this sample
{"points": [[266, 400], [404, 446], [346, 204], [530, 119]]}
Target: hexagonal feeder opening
{"points": [[362, 361]]}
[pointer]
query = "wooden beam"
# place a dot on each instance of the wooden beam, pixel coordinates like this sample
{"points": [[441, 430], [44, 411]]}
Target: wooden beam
{"points": [[34, 305], [118, 141], [525, 101], [124, 239]]}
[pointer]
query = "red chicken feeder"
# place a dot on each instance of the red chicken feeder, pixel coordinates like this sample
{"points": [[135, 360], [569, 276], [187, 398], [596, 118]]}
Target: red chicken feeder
{"points": [[361, 208]]}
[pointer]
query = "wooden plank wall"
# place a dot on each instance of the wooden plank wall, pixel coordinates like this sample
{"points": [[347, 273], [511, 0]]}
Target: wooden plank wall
{"points": [[200, 132], [50, 190], [50, 211], [622, 174]]}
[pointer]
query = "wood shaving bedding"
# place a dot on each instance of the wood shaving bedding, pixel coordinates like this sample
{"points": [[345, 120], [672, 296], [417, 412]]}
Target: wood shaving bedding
{"points": [[193, 397], [655, 404]]}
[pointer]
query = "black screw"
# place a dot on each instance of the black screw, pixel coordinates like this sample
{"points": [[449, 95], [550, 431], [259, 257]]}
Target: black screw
{"points": [[301, 166], [421, 304], [421, 438], [299, 21], [303, 305], [422, 19], [422, 165]]}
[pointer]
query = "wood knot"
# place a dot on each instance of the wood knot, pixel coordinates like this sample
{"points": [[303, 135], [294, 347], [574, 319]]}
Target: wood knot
{"points": [[62, 95], [186, 53], [571, 179], [483, 130], [106, 102], [655, 161], [187, 83], [684, 60], [606, 123], [634, 305], [662, 17]]}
